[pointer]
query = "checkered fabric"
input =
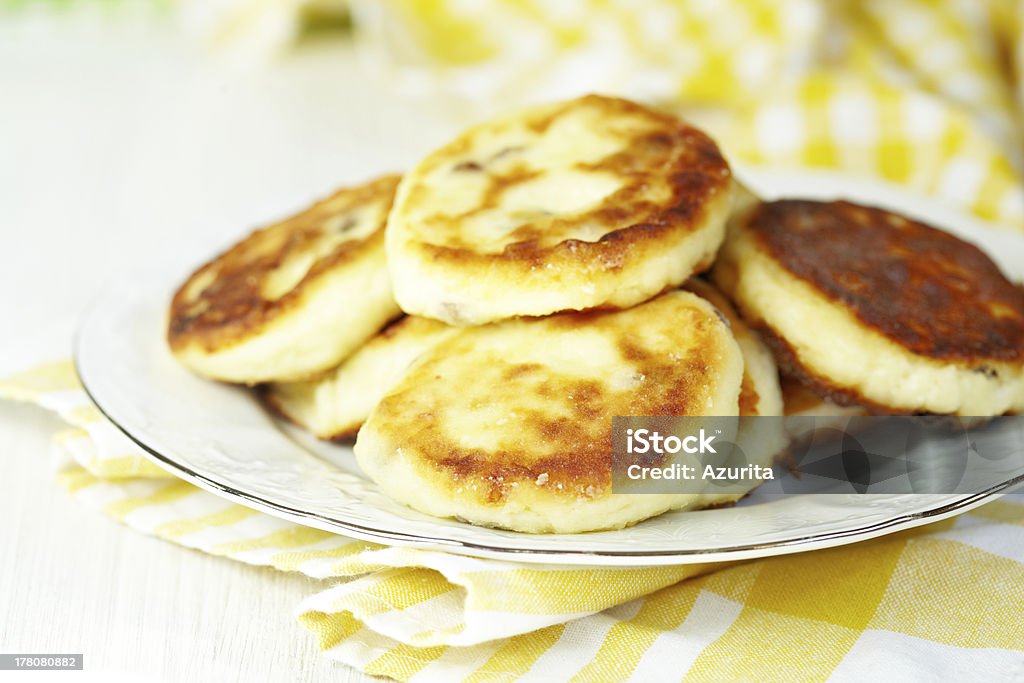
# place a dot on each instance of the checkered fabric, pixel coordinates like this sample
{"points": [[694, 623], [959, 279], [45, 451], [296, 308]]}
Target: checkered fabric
{"points": [[925, 93]]}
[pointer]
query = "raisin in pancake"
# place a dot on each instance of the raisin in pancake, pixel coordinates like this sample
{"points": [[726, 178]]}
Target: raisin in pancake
{"points": [[874, 309], [595, 202], [293, 299], [335, 405], [509, 425]]}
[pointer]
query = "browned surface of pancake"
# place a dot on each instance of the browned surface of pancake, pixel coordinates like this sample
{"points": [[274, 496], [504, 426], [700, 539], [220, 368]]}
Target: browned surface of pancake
{"points": [[225, 300], [560, 424], [689, 161], [926, 290]]}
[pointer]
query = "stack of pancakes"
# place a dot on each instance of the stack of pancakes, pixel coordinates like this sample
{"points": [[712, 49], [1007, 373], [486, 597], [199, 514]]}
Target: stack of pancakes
{"points": [[546, 265]]}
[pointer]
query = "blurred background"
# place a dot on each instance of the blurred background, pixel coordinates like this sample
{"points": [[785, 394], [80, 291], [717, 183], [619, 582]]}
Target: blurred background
{"points": [[142, 136]]}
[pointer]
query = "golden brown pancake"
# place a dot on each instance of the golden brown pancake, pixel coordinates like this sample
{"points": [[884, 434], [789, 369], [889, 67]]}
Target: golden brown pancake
{"points": [[293, 299], [924, 289], [874, 309], [509, 424], [592, 203]]}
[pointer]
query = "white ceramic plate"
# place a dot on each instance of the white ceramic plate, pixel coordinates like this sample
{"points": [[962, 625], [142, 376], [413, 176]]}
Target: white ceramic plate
{"points": [[220, 438]]}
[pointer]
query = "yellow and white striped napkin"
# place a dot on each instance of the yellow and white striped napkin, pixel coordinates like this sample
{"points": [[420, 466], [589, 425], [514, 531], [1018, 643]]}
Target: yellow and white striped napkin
{"points": [[940, 601]]}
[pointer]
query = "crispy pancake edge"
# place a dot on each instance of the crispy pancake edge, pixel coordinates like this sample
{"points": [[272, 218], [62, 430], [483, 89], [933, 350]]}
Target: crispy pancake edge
{"points": [[240, 312], [916, 285]]}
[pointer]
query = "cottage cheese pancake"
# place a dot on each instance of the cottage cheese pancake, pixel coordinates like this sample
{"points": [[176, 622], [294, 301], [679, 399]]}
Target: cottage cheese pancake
{"points": [[335, 405], [592, 203], [293, 299], [874, 309], [509, 424]]}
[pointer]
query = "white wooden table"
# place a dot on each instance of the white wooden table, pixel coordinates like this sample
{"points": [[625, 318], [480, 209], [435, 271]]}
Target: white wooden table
{"points": [[122, 149]]}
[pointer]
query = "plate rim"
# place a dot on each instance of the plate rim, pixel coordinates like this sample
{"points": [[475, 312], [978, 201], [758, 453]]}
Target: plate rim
{"points": [[963, 503]]}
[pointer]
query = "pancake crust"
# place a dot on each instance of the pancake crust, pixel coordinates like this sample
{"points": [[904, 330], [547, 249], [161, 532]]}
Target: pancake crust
{"points": [[595, 202], [292, 299], [335, 405], [924, 289], [509, 425], [873, 309]]}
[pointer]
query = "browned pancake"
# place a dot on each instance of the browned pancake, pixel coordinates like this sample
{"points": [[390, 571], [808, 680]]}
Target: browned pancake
{"points": [[292, 299], [796, 374], [565, 418], [592, 203], [510, 424], [873, 309], [233, 303], [926, 290], [682, 158]]}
